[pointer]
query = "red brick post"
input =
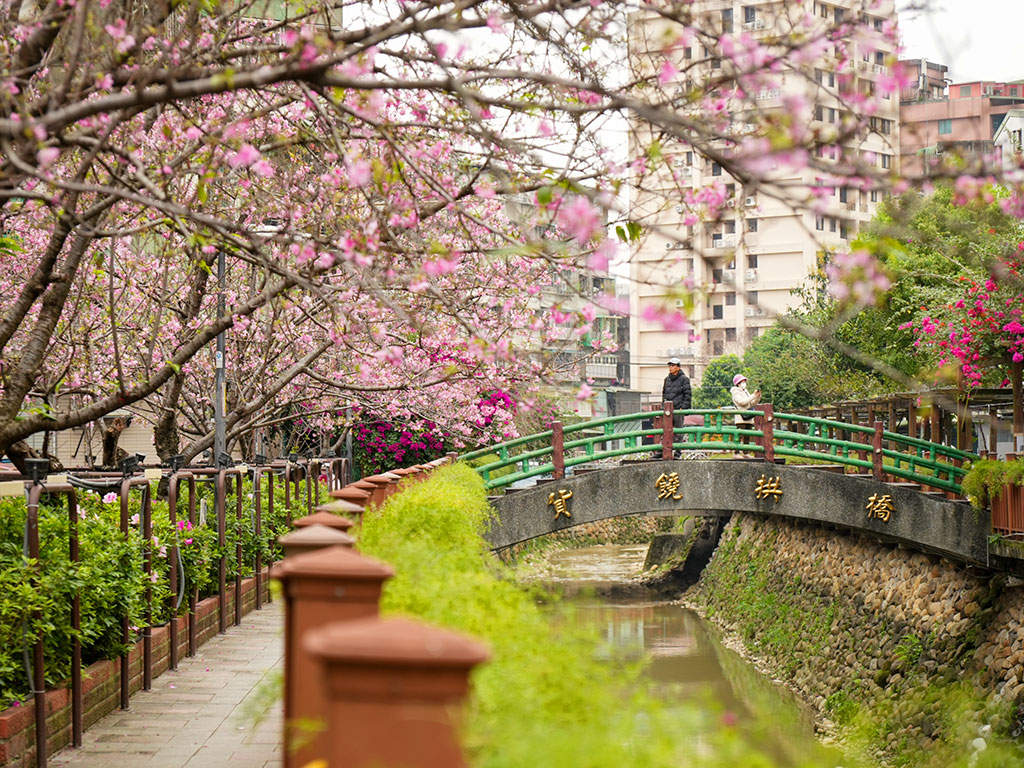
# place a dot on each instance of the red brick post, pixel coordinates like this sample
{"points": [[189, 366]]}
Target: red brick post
{"points": [[768, 431], [331, 585], [876, 452], [324, 518], [557, 450], [667, 424], [311, 538], [393, 689]]}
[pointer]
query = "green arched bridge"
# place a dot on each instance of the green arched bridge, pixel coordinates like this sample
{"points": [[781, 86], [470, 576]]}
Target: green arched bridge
{"points": [[850, 475]]}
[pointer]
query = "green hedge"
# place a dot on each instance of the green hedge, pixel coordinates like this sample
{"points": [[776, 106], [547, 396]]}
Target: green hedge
{"points": [[987, 477], [547, 697], [109, 577]]}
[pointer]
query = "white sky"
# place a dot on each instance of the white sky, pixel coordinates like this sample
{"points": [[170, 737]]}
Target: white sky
{"points": [[977, 39]]}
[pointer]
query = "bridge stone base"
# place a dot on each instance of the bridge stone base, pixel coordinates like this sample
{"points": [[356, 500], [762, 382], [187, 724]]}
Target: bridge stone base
{"points": [[892, 512]]}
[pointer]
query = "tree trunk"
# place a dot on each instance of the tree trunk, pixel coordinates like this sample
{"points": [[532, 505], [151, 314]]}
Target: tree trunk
{"points": [[110, 437]]}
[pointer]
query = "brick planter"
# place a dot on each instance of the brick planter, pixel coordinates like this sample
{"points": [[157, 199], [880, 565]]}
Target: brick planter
{"points": [[101, 684]]}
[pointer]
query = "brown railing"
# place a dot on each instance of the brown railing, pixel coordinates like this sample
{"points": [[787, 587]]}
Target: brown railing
{"points": [[293, 473]]}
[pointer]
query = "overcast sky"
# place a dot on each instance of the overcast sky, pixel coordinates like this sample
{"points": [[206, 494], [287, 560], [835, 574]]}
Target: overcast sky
{"points": [[977, 39]]}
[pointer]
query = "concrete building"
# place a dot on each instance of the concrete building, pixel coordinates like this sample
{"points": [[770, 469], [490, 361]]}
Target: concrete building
{"points": [[743, 266], [1009, 141], [963, 119]]}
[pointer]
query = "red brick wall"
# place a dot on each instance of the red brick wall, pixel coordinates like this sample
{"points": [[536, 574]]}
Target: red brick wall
{"points": [[101, 683]]}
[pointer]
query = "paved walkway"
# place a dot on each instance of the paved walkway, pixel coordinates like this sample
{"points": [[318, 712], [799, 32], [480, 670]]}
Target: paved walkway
{"points": [[201, 715]]}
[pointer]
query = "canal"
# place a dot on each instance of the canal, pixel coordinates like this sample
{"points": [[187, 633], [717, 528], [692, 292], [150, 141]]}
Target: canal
{"points": [[685, 660]]}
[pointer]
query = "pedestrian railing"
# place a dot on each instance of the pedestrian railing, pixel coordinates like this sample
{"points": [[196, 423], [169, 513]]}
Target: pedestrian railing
{"points": [[761, 433], [253, 491]]}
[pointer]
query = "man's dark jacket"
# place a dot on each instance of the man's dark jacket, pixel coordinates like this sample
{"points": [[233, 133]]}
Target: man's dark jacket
{"points": [[676, 389]]}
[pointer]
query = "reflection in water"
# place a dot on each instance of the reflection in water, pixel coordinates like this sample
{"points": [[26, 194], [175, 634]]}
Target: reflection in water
{"points": [[684, 661]]}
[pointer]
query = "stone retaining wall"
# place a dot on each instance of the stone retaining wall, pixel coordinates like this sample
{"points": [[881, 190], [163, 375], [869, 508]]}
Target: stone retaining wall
{"points": [[847, 621]]}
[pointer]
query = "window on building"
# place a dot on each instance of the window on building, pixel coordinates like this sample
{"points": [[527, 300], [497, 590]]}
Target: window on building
{"points": [[717, 312], [965, 91], [688, 52], [716, 275], [730, 334], [749, 14], [831, 114], [727, 19], [819, 113], [730, 227], [716, 169], [831, 224], [751, 261], [716, 63], [831, 79], [945, 127], [874, 195], [886, 161], [752, 298], [843, 194], [689, 158], [819, 223], [878, 25], [730, 191], [751, 225], [819, 76], [839, 15], [717, 348], [843, 231], [879, 58], [730, 299]]}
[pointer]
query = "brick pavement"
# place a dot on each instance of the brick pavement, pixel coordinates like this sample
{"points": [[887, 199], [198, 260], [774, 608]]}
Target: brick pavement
{"points": [[201, 715]]}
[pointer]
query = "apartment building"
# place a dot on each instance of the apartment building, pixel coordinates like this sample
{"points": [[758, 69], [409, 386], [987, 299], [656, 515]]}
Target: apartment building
{"points": [[743, 266], [964, 119]]}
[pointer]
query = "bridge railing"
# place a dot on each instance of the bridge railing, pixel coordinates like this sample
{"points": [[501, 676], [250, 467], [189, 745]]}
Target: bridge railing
{"points": [[864, 448]]}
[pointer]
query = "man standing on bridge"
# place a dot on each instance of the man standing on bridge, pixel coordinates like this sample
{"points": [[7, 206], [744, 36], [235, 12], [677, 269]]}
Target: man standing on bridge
{"points": [[676, 389]]}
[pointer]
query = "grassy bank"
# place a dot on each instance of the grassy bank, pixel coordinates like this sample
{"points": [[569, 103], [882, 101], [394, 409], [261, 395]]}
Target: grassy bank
{"points": [[544, 698]]}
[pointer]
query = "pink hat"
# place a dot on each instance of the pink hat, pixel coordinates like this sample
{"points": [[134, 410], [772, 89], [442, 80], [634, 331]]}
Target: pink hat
{"points": [[737, 379]]}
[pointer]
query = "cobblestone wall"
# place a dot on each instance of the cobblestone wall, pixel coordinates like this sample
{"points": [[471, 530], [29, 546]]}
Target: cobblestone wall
{"points": [[847, 620]]}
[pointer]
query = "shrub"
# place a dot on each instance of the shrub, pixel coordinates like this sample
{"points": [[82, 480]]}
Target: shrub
{"points": [[545, 697], [987, 477], [35, 596]]}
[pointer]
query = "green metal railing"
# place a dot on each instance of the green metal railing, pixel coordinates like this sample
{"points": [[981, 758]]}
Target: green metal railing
{"points": [[871, 448]]}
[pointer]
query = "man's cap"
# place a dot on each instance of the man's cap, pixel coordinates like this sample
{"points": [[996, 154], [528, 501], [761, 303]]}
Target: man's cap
{"points": [[737, 379], [674, 361]]}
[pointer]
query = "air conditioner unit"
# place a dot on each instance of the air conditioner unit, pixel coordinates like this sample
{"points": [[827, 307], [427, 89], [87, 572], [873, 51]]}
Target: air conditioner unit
{"points": [[679, 209], [748, 312], [668, 246], [755, 24], [729, 276], [750, 202], [730, 204], [679, 303], [879, 69], [750, 276]]}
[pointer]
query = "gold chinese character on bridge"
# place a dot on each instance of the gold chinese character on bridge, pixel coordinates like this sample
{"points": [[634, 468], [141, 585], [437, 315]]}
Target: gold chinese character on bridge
{"points": [[560, 502], [668, 486], [880, 506], [768, 486]]}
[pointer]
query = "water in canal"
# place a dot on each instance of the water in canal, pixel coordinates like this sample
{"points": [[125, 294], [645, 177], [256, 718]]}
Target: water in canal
{"points": [[686, 662]]}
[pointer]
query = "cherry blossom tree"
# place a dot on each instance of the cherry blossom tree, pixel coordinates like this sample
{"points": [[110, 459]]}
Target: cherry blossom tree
{"points": [[354, 165]]}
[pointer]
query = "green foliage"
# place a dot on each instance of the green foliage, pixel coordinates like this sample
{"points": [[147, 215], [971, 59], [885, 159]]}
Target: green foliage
{"points": [[545, 698], [109, 578], [986, 478], [841, 707], [717, 381], [489, 458]]}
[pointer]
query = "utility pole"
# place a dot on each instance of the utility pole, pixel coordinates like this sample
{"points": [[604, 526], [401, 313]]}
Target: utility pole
{"points": [[219, 381]]}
